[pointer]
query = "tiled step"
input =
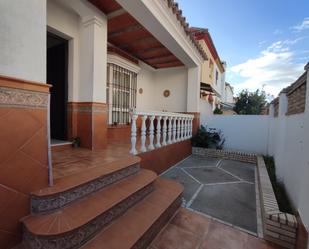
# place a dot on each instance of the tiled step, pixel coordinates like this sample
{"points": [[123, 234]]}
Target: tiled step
{"points": [[140, 225], [74, 187], [78, 222]]}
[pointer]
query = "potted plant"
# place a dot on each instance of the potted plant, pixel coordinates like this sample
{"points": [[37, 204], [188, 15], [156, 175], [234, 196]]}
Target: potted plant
{"points": [[76, 142]]}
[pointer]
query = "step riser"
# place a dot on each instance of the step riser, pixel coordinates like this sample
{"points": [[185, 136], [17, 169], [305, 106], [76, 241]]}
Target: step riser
{"points": [[55, 202], [150, 235], [78, 237]]}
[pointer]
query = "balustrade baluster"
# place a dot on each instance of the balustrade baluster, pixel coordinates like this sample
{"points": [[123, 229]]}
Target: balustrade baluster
{"points": [[151, 133], [174, 140], [158, 144], [143, 134], [178, 129], [169, 133], [164, 130], [133, 134]]}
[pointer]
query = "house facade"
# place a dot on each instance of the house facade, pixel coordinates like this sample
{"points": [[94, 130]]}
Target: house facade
{"points": [[212, 73], [101, 73]]}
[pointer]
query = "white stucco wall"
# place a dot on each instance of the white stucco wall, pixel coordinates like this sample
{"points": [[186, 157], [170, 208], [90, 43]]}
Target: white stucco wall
{"points": [[155, 82], [174, 80], [85, 28], [145, 81], [242, 132], [66, 24], [228, 95], [205, 108], [23, 39]]}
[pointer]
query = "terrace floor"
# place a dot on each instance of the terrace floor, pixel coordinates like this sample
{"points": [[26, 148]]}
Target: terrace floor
{"points": [[74, 160], [222, 189], [189, 230]]}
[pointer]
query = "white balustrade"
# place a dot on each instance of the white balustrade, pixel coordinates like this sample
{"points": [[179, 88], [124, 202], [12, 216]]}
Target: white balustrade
{"points": [[176, 127], [143, 134]]}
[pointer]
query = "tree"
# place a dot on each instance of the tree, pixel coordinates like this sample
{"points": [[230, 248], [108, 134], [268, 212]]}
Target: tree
{"points": [[250, 102]]}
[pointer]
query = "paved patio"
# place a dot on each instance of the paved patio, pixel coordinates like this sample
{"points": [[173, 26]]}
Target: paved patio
{"points": [[222, 189], [189, 230]]}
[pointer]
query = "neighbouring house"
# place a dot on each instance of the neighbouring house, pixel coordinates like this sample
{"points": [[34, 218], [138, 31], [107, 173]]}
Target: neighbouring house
{"points": [[212, 73], [228, 103], [92, 72]]}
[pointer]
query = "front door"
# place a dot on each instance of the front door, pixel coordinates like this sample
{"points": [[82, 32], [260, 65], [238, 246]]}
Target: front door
{"points": [[57, 76]]}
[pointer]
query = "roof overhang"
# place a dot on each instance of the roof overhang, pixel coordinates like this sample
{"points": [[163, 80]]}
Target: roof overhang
{"points": [[154, 32]]}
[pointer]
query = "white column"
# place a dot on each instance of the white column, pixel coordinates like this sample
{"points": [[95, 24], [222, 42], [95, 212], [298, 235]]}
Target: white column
{"points": [[133, 135], [174, 139], [143, 134], [158, 144], [169, 135], [151, 133], [93, 53], [164, 130], [193, 90]]}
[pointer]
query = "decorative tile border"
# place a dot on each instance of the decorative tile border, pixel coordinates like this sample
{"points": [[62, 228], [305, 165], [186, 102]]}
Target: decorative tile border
{"points": [[78, 237], [12, 97], [87, 107], [225, 154], [279, 227], [57, 201]]}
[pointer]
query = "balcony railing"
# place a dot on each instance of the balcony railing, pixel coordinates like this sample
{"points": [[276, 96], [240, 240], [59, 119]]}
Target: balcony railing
{"points": [[159, 129]]}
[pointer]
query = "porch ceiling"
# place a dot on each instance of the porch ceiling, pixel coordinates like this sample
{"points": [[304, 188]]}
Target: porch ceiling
{"points": [[130, 36]]}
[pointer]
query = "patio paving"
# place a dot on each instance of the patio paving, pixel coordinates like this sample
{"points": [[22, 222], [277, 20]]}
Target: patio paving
{"points": [[222, 189], [189, 230]]}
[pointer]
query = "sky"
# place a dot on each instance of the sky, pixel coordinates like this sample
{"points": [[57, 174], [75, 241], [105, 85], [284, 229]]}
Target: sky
{"points": [[264, 42]]}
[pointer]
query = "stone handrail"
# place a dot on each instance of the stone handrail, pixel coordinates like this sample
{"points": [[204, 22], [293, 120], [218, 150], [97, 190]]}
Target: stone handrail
{"points": [[175, 127]]}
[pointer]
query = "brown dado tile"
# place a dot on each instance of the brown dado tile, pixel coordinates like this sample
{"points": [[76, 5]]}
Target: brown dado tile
{"points": [[161, 159], [23, 152], [88, 120]]}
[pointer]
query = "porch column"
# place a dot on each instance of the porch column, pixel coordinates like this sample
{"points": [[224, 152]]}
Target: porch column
{"points": [[193, 95], [89, 112]]}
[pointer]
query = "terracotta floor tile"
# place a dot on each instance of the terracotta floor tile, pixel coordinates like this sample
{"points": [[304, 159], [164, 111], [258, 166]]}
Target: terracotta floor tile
{"points": [[173, 237], [192, 222]]}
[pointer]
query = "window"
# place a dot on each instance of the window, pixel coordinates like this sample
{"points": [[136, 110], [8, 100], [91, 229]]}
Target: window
{"points": [[121, 93]]}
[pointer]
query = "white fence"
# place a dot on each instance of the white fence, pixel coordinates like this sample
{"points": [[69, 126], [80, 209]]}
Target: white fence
{"points": [[247, 133], [175, 127], [286, 137]]}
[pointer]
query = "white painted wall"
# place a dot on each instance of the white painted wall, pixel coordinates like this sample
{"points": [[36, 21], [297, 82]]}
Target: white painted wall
{"points": [[175, 80], [85, 27], [205, 108], [66, 24], [228, 95], [242, 132], [146, 81], [155, 82], [284, 137], [23, 49]]}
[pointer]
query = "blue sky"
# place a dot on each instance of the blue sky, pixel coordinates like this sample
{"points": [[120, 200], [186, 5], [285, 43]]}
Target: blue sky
{"points": [[264, 42]]}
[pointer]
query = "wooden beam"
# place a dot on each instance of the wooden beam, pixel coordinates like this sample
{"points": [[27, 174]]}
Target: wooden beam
{"points": [[161, 61], [164, 58], [138, 41], [125, 30], [170, 64], [115, 13], [151, 49]]}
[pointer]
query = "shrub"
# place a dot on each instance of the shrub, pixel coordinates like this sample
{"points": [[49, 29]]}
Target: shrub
{"points": [[278, 187], [217, 111], [208, 138]]}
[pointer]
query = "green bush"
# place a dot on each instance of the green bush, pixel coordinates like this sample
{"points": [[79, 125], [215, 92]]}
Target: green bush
{"points": [[210, 138], [218, 111], [278, 187]]}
